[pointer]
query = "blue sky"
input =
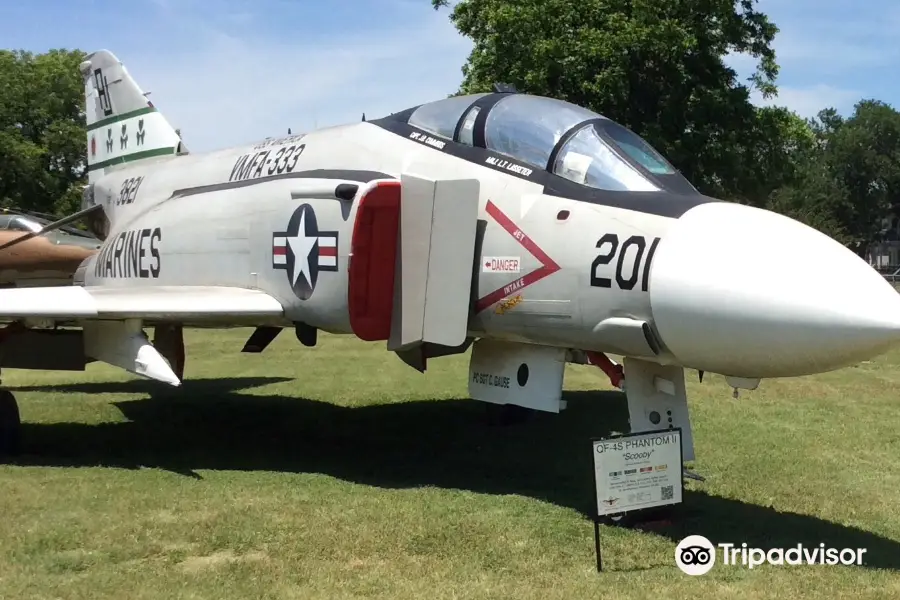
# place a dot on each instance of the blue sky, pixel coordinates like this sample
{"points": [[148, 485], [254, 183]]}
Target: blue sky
{"points": [[233, 71]]}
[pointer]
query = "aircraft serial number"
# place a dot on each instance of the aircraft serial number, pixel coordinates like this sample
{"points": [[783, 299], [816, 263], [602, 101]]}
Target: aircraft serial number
{"points": [[266, 162], [629, 268], [128, 191]]}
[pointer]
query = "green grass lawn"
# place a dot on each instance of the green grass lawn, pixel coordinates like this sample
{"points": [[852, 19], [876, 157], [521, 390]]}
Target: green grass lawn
{"points": [[339, 472]]}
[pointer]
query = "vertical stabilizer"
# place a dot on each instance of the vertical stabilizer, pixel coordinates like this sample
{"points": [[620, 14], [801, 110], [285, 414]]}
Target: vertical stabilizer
{"points": [[123, 126]]}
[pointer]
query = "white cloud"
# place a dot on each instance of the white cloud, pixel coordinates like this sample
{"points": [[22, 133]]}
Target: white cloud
{"points": [[807, 102], [223, 81], [238, 87], [832, 53]]}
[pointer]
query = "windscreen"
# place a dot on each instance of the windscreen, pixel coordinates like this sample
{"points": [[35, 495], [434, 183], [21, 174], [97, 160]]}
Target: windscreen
{"points": [[636, 148], [528, 127], [588, 159], [440, 117]]}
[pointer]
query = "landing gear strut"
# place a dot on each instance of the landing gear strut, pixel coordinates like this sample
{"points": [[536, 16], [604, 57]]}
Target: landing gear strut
{"points": [[169, 341], [615, 372], [10, 424]]}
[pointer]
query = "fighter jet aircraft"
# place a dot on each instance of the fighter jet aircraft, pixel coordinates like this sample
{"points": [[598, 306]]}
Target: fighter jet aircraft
{"points": [[530, 230], [37, 259]]}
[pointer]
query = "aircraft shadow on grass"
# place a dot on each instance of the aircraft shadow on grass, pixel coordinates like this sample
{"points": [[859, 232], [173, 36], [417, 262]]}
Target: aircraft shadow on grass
{"points": [[448, 443]]}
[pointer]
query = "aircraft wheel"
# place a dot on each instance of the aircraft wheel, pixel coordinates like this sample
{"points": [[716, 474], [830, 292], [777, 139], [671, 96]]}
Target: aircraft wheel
{"points": [[10, 424]]}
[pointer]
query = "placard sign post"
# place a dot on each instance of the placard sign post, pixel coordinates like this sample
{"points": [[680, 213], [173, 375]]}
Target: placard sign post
{"points": [[636, 471]]}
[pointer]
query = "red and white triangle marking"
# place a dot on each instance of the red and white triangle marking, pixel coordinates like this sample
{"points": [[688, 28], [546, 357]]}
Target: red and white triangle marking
{"points": [[548, 265]]}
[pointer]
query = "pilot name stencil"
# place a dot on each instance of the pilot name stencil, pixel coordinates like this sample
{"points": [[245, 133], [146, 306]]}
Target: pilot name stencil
{"points": [[132, 254], [427, 140], [303, 251], [508, 165]]}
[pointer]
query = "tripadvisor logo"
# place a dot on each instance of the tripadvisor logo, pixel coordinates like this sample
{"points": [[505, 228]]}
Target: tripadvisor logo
{"points": [[696, 555]]}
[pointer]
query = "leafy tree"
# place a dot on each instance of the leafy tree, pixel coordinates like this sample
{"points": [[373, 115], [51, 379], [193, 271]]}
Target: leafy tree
{"points": [[850, 182], [775, 153], [42, 130], [863, 151], [809, 190], [656, 67], [815, 197], [826, 124]]}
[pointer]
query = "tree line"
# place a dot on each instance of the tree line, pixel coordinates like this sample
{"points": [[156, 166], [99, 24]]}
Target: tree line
{"points": [[43, 151], [659, 68]]}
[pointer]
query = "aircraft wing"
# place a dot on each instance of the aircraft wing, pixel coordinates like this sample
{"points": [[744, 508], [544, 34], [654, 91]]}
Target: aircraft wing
{"points": [[182, 303], [112, 318]]}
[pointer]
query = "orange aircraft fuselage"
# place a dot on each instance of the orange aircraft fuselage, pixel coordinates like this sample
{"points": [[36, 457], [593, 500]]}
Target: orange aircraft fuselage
{"points": [[39, 259]]}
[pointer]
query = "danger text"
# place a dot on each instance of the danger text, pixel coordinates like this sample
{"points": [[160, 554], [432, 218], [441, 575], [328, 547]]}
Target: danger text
{"points": [[501, 264]]}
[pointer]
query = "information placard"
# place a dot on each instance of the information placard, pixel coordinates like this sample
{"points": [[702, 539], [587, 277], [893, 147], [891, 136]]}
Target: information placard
{"points": [[638, 471]]}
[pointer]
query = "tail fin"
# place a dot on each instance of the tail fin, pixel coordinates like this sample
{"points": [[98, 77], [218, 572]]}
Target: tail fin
{"points": [[122, 125]]}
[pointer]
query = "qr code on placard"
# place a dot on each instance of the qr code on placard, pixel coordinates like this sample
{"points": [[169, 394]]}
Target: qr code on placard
{"points": [[667, 492]]}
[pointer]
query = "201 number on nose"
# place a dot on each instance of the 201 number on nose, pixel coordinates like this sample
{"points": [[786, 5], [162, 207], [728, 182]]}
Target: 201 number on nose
{"points": [[628, 268]]}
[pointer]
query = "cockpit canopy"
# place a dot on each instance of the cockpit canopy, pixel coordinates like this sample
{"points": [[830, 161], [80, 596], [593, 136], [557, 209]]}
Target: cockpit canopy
{"points": [[545, 133]]}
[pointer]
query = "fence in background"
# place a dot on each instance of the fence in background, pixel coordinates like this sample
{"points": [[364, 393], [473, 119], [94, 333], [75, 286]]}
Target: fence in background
{"points": [[885, 258]]}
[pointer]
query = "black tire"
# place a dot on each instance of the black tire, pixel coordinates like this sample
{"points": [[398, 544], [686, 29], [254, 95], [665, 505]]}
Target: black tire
{"points": [[10, 425]]}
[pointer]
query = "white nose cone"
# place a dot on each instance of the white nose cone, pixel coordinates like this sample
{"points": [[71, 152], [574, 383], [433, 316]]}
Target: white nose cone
{"points": [[750, 293]]}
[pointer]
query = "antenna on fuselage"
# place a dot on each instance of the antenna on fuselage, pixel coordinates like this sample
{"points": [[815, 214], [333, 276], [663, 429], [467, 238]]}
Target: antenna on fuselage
{"points": [[180, 149], [289, 131], [364, 118], [504, 88]]}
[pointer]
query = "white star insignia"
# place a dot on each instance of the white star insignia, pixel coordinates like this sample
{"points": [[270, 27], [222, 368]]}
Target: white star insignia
{"points": [[301, 247]]}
